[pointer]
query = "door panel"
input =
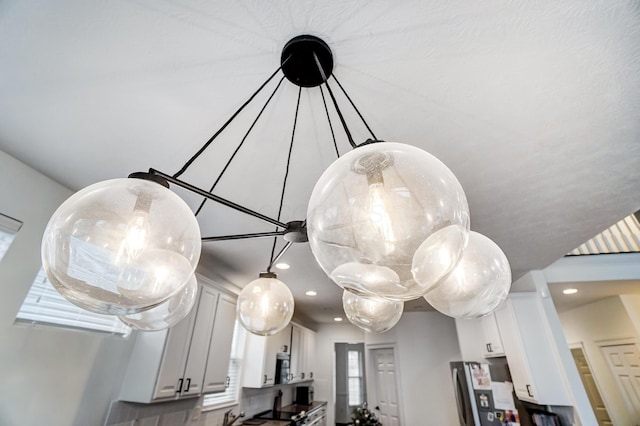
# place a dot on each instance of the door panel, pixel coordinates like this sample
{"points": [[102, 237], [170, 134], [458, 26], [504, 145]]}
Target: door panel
{"points": [[624, 363], [387, 408]]}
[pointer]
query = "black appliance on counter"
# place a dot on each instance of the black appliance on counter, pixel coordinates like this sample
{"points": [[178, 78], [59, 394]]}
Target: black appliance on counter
{"points": [[283, 362], [304, 395]]}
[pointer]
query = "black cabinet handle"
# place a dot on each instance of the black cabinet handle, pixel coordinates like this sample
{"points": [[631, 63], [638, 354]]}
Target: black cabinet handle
{"points": [[227, 383], [311, 375], [489, 348], [265, 380], [188, 384], [377, 408], [179, 386], [285, 349], [529, 391], [302, 376]]}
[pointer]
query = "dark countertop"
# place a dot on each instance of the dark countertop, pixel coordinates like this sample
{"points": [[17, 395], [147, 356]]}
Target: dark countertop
{"points": [[295, 408]]}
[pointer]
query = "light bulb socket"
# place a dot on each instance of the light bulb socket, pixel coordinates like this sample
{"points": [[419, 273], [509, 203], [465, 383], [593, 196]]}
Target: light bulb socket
{"points": [[372, 164], [150, 177], [268, 275]]}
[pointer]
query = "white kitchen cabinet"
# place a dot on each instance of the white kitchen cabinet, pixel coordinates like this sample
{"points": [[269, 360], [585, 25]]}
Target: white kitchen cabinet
{"points": [[302, 353], [479, 338], [260, 357], [310, 353], [215, 378], [492, 344], [186, 360], [535, 366]]}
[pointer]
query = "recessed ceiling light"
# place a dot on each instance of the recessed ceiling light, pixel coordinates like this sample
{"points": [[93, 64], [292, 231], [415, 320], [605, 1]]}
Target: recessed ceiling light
{"points": [[283, 266], [337, 319], [311, 293], [570, 290]]}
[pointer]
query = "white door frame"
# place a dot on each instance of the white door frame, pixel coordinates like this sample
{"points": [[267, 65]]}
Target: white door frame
{"points": [[371, 392]]}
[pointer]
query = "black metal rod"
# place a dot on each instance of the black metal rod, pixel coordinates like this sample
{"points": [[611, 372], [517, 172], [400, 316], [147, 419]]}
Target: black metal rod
{"points": [[244, 236], [326, 109], [355, 108], [224, 126], [279, 255], [217, 199], [335, 102], [226, 166], [286, 173]]}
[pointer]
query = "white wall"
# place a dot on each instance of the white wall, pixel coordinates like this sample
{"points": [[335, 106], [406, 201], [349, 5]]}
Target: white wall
{"points": [[600, 321], [49, 376], [425, 344], [323, 384]]}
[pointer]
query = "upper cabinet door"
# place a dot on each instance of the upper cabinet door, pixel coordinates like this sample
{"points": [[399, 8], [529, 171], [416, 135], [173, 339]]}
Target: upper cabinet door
{"points": [[215, 379], [176, 349], [201, 337], [492, 340]]}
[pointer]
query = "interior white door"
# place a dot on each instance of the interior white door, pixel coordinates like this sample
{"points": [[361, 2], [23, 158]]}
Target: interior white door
{"points": [[386, 386], [624, 362]]}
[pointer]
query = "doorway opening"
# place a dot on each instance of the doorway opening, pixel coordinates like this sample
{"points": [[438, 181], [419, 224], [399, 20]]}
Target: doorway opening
{"points": [[351, 386], [590, 386]]}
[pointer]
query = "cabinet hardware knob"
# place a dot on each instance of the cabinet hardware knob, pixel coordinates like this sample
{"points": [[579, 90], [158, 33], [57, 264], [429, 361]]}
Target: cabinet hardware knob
{"points": [[179, 386], [227, 383], [188, 384]]}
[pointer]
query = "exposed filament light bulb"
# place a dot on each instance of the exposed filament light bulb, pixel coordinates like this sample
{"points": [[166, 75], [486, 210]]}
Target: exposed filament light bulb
{"points": [[379, 215], [136, 236]]}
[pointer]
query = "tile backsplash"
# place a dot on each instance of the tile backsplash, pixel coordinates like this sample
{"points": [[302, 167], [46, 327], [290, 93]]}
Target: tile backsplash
{"points": [[189, 411]]}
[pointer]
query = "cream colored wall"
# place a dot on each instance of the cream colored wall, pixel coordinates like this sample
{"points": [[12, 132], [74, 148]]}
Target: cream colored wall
{"points": [[600, 321], [49, 376], [425, 343], [323, 384]]}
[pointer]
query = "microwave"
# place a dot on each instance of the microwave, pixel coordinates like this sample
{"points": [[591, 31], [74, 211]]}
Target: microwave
{"points": [[282, 368], [304, 395]]}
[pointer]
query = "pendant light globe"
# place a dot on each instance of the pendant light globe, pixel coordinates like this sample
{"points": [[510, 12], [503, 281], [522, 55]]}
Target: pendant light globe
{"points": [[479, 283], [389, 220], [370, 313], [265, 306], [121, 246], [166, 314]]}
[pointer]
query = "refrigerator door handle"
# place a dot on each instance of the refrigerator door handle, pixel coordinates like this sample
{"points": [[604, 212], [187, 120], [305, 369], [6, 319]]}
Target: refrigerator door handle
{"points": [[456, 380]]}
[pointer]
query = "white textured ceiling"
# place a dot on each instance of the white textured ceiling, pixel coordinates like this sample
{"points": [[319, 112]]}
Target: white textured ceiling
{"points": [[535, 106]]}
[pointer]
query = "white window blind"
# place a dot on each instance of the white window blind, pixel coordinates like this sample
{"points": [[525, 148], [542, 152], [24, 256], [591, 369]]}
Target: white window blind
{"points": [[231, 394], [8, 229], [44, 305]]}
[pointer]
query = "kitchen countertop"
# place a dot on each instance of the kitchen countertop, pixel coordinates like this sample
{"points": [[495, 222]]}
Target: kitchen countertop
{"points": [[255, 422], [295, 408]]}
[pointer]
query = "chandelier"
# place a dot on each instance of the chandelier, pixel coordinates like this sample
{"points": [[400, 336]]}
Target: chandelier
{"points": [[387, 222]]}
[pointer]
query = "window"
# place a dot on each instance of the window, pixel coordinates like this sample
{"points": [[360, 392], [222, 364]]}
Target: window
{"points": [[231, 394], [354, 372], [44, 305], [8, 229]]}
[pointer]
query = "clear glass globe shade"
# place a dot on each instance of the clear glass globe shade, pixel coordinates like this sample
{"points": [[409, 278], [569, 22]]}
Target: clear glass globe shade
{"points": [[479, 283], [370, 313], [166, 314], [392, 209], [265, 306], [120, 246]]}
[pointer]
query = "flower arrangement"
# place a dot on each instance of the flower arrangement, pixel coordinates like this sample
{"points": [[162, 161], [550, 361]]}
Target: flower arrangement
{"points": [[362, 416]]}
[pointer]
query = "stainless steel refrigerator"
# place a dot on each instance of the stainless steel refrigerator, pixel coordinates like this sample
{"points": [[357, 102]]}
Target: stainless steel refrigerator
{"points": [[484, 394]]}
